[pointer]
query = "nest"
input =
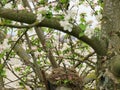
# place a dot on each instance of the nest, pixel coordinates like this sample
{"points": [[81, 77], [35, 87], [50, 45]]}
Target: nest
{"points": [[65, 77]]}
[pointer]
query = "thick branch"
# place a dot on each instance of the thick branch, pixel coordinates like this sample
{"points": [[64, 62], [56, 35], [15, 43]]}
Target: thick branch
{"points": [[20, 16], [29, 18]]}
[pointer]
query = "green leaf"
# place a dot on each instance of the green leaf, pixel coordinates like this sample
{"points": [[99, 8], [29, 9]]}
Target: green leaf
{"points": [[42, 2], [3, 2], [1, 67], [48, 14], [64, 1], [82, 20], [18, 69], [100, 2], [81, 34], [83, 26], [3, 73], [39, 49], [2, 54], [81, 2], [57, 8], [66, 81], [21, 83]]}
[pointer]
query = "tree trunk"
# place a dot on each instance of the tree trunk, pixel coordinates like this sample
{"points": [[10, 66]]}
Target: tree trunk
{"points": [[108, 66]]}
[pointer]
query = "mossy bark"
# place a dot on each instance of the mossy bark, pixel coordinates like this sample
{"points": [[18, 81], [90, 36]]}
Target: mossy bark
{"points": [[107, 75]]}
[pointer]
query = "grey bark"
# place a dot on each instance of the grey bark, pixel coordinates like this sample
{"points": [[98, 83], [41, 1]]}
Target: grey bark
{"points": [[108, 65]]}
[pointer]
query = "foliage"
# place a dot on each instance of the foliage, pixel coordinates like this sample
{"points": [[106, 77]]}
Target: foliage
{"points": [[28, 49]]}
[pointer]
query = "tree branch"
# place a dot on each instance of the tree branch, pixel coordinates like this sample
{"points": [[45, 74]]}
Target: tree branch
{"points": [[29, 18]]}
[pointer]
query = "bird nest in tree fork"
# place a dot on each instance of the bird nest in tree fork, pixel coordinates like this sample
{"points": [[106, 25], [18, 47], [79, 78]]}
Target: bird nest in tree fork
{"points": [[65, 77]]}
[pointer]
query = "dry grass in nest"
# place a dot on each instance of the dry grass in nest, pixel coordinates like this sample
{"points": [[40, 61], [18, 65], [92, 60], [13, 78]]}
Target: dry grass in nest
{"points": [[65, 77]]}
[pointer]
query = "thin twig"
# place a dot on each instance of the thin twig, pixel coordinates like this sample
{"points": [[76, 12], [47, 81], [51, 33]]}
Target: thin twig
{"points": [[91, 6], [86, 58]]}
